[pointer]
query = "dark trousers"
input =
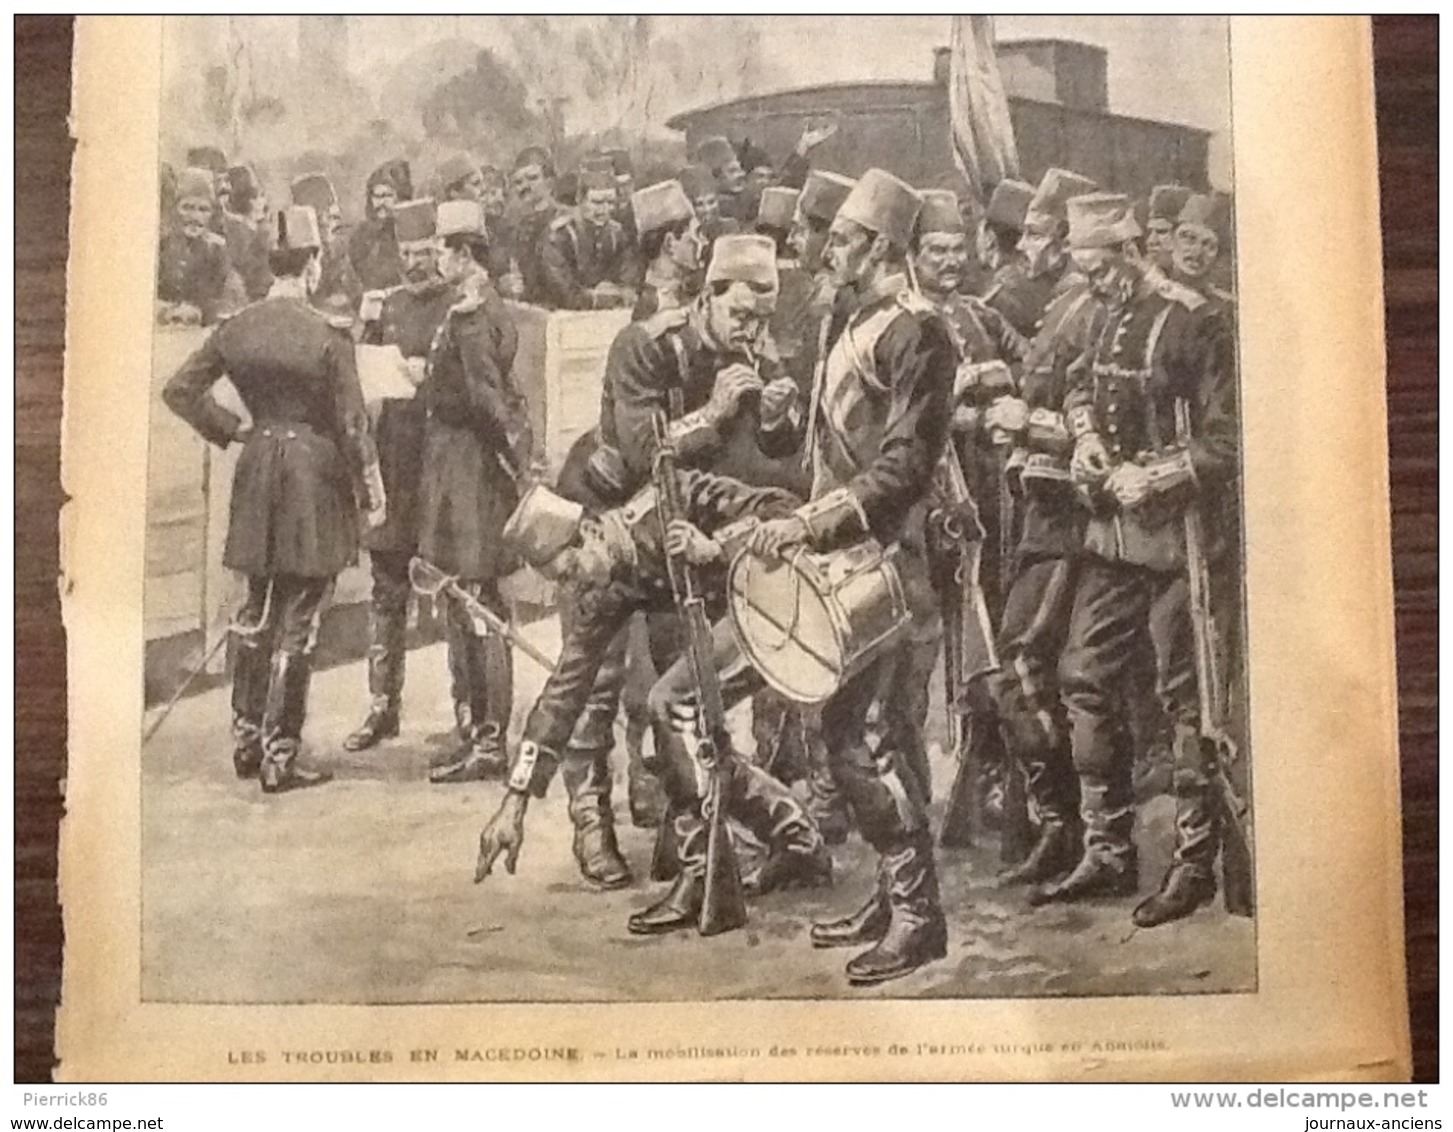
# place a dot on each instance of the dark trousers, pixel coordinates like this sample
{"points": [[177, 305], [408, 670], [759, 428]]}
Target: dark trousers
{"points": [[1032, 635], [480, 664], [1117, 609], [274, 635]]}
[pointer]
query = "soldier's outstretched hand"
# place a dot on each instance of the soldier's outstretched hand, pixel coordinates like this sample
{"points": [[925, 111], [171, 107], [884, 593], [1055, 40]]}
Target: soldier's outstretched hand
{"points": [[504, 835]]}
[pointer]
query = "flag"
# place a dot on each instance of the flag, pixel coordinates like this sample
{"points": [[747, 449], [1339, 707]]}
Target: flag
{"points": [[978, 108]]}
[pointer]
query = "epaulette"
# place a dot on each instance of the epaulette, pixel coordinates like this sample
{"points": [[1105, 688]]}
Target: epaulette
{"points": [[662, 321], [338, 321], [215, 239], [910, 300], [1180, 293]]}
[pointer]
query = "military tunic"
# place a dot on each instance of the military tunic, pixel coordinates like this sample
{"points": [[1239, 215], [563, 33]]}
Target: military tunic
{"points": [[528, 237], [293, 495], [1167, 349], [247, 250], [373, 252], [477, 440], [576, 257]]}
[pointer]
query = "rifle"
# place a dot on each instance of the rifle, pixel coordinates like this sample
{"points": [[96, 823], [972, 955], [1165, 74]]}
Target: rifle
{"points": [[1238, 877], [429, 580], [723, 906]]}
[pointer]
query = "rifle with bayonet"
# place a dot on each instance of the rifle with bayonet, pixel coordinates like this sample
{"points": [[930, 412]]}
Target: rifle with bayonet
{"points": [[1237, 861], [723, 906]]}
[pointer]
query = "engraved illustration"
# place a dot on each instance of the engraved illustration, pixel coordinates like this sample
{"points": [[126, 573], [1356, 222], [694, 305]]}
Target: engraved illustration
{"points": [[674, 508]]}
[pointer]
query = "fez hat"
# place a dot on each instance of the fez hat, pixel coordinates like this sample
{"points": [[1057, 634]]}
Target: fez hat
{"points": [[1054, 193], [1101, 220], [744, 259], [1166, 202], [660, 206], [315, 191], [595, 180], [620, 162], [715, 152], [456, 168], [882, 203], [242, 183], [455, 216], [192, 182], [1008, 204], [207, 157], [753, 156], [415, 220], [1209, 210], [395, 173], [542, 525], [940, 212], [777, 207], [823, 194], [295, 228], [696, 180]]}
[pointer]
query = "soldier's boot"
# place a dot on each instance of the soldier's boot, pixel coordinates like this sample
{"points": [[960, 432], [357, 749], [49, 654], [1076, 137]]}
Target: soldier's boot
{"points": [[866, 924], [588, 785], [680, 908], [492, 692], [249, 702], [385, 681], [1108, 865], [1190, 882], [1052, 788], [797, 856], [458, 644], [282, 725], [644, 792], [917, 933]]}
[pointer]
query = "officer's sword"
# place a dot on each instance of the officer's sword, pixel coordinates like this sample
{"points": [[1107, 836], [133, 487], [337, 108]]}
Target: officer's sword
{"points": [[429, 580]]}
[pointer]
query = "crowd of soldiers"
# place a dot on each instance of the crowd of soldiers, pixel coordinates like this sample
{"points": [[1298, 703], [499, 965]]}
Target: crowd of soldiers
{"points": [[1020, 399]]}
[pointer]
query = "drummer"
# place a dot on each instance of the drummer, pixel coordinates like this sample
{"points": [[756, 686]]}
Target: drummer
{"points": [[616, 565], [875, 430]]}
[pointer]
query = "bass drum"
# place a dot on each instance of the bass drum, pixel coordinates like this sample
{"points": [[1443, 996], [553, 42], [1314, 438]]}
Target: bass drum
{"points": [[809, 622]]}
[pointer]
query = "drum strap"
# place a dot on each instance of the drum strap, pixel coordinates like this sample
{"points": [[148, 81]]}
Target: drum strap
{"points": [[676, 395]]}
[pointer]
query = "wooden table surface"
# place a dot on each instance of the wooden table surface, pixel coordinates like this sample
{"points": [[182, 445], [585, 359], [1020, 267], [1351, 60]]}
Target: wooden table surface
{"points": [[1407, 104]]}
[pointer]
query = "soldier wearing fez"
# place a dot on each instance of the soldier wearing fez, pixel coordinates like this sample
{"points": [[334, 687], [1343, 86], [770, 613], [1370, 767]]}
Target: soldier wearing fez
{"points": [[1153, 416], [587, 259], [878, 426], [1022, 297], [193, 271], [1202, 229], [671, 247], [460, 177], [477, 445], [338, 287], [307, 465], [244, 226], [372, 246], [532, 180], [721, 158], [406, 316], [700, 186]]}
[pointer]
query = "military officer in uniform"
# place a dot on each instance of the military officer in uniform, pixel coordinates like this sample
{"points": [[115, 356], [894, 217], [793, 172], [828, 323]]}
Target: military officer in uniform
{"points": [[988, 353], [338, 288], [194, 277], [877, 425], [1202, 230], [477, 446], [1023, 296], [670, 246], [307, 460], [1163, 210], [408, 317], [1040, 583], [996, 244], [588, 261], [373, 249], [1154, 418]]}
